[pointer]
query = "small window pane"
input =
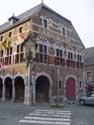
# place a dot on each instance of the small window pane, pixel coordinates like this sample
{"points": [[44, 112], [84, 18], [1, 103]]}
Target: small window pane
{"points": [[45, 23], [60, 53], [59, 84], [45, 49], [10, 34], [57, 52], [18, 48], [40, 48], [20, 30], [11, 51], [63, 31]]}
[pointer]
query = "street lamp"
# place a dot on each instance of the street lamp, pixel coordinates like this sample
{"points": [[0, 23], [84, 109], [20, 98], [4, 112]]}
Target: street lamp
{"points": [[30, 47]]}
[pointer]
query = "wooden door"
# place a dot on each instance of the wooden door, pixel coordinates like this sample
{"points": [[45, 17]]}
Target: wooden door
{"points": [[70, 89]]}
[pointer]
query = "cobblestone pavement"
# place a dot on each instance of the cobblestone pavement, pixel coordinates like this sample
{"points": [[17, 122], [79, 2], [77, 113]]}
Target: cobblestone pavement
{"points": [[71, 114]]}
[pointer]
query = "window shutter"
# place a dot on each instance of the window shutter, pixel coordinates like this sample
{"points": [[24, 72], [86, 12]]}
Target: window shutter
{"points": [[56, 61], [68, 63], [73, 64], [48, 59], [64, 62], [77, 64]]}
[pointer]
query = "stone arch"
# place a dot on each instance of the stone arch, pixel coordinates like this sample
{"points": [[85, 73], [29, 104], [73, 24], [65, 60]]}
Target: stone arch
{"points": [[46, 75], [8, 88], [19, 88], [70, 86], [40, 78], [1, 87], [8, 76]]}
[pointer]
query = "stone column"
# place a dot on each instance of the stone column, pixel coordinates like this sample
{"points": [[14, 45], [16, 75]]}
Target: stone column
{"points": [[3, 92], [13, 91], [65, 98], [33, 90], [28, 97]]}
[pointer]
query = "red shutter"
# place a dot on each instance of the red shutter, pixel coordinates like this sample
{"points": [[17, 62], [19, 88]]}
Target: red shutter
{"points": [[78, 64], [63, 61], [73, 64], [68, 63], [48, 59], [56, 61]]}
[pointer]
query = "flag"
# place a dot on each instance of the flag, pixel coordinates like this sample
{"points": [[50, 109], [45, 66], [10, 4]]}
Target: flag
{"points": [[5, 44]]}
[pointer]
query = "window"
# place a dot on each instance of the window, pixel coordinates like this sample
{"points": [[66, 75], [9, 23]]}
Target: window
{"points": [[70, 55], [74, 56], [45, 23], [19, 57], [10, 34], [42, 53], [59, 84], [59, 56], [79, 58], [1, 38], [1, 55], [80, 84], [8, 56], [20, 30], [63, 29], [18, 48], [89, 76]]}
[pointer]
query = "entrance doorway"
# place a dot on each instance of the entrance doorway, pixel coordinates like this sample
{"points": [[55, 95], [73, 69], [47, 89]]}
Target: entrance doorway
{"points": [[71, 89], [8, 88], [42, 89], [19, 89]]}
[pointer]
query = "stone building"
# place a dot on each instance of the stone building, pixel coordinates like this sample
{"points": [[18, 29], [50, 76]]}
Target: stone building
{"points": [[57, 69], [89, 69]]}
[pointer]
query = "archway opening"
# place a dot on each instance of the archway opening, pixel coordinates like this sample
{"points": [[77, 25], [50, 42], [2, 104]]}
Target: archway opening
{"points": [[8, 88], [42, 89], [71, 89], [1, 88], [19, 89]]}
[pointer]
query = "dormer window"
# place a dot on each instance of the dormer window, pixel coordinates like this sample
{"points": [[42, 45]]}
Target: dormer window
{"points": [[13, 20]]}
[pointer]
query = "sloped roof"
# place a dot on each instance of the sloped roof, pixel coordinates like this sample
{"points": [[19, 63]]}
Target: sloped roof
{"points": [[62, 19], [27, 14], [21, 17]]}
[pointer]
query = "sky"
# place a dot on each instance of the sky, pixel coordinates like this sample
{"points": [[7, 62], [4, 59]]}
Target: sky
{"points": [[80, 12]]}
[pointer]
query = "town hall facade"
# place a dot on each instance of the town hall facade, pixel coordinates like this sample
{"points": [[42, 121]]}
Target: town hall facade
{"points": [[56, 70]]}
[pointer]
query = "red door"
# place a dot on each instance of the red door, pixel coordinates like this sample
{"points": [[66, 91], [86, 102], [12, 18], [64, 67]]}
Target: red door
{"points": [[70, 89]]}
